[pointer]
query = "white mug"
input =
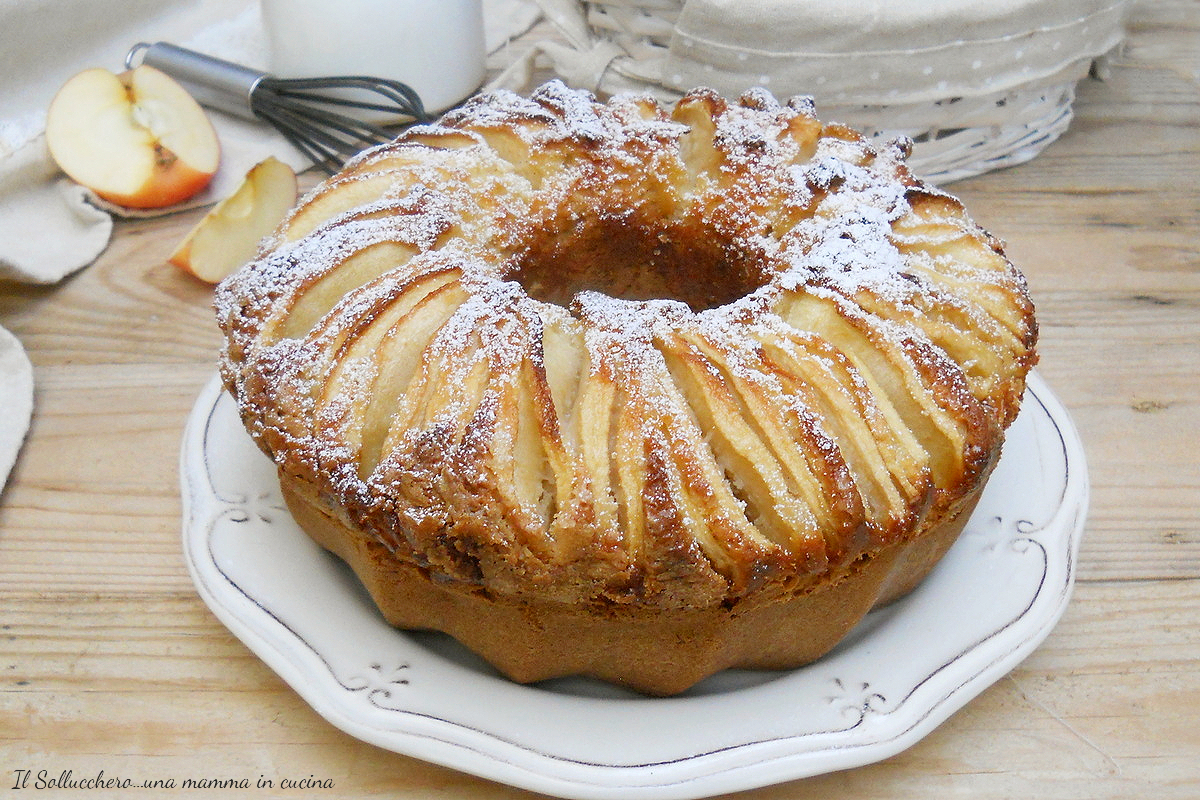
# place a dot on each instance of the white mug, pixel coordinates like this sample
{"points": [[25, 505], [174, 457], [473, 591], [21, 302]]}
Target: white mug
{"points": [[434, 46]]}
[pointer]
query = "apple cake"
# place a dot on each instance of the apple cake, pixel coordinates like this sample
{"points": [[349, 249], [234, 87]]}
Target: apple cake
{"points": [[630, 391]]}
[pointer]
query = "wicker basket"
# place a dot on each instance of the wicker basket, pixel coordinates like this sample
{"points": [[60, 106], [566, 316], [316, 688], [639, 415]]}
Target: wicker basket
{"points": [[959, 127], [959, 137]]}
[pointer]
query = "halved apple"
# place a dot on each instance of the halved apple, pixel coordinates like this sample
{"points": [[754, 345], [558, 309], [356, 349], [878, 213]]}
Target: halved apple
{"points": [[228, 236], [137, 139]]}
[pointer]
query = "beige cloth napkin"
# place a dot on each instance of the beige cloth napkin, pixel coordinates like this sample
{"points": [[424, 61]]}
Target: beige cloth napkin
{"points": [[16, 401]]}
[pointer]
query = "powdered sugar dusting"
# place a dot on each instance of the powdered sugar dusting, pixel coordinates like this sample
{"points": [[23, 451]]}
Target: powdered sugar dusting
{"points": [[843, 243], [556, 116], [794, 214]]}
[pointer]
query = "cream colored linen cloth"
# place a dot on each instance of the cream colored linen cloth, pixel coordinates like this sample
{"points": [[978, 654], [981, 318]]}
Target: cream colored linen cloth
{"points": [[16, 401]]}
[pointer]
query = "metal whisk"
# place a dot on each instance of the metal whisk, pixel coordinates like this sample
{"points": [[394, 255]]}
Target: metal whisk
{"points": [[302, 109]]}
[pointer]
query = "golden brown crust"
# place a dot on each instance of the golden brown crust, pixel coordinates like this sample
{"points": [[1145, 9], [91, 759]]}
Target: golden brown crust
{"points": [[655, 651], [622, 362]]}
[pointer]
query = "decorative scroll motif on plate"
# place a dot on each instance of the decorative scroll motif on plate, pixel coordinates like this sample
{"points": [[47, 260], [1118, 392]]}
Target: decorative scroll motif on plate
{"points": [[857, 701], [378, 682], [263, 505]]}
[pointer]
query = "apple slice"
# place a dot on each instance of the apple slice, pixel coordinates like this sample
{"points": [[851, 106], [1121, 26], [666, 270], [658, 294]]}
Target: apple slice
{"points": [[137, 139], [228, 236]]}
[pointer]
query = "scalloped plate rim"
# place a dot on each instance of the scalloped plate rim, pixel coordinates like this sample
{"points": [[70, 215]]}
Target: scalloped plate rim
{"points": [[505, 759]]}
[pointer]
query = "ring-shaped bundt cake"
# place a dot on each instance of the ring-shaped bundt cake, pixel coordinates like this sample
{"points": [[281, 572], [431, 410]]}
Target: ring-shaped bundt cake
{"points": [[627, 391]]}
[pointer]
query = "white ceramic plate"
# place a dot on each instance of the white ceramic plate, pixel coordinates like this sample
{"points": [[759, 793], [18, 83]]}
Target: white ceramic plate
{"points": [[902, 671]]}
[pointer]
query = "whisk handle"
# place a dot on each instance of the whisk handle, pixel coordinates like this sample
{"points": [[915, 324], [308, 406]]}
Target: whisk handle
{"points": [[214, 82]]}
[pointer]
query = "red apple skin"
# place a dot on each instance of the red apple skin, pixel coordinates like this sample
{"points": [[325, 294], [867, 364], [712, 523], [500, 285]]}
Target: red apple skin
{"points": [[174, 183], [136, 139]]}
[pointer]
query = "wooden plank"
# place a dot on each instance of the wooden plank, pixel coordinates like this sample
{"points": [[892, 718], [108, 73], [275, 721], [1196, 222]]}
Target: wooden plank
{"points": [[1104, 709]]}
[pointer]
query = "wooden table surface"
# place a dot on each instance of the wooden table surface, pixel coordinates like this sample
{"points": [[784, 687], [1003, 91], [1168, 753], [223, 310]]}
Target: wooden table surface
{"points": [[110, 661]]}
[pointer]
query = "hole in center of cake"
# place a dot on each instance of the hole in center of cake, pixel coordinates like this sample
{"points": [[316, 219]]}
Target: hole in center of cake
{"points": [[629, 260]]}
